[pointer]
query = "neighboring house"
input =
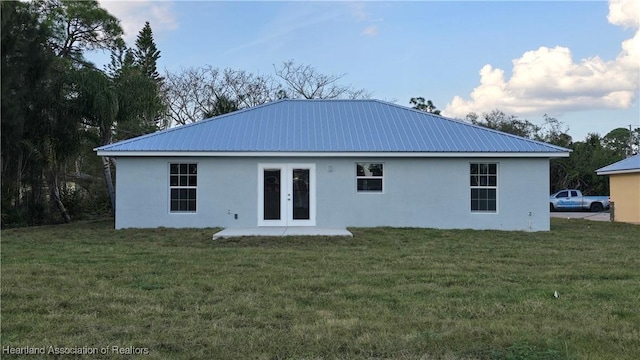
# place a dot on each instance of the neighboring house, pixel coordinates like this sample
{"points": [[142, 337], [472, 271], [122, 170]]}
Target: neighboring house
{"points": [[332, 164], [624, 184]]}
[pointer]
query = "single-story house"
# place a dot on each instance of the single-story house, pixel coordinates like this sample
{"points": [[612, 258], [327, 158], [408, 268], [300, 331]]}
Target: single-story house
{"points": [[624, 184], [332, 164]]}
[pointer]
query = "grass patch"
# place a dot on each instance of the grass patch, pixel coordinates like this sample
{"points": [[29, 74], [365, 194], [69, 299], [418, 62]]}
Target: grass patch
{"points": [[386, 293]]}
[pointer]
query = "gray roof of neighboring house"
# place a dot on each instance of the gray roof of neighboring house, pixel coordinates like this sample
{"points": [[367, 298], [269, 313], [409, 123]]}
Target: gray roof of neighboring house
{"points": [[631, 164], [331, 126]]}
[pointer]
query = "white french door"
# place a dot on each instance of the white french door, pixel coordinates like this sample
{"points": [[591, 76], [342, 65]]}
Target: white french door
{"points": [[286, 194]]}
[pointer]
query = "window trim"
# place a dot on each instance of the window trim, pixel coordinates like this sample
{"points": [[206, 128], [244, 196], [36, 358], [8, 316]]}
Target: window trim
{"points": [[170, 187], [358, 177], [495, 187]]}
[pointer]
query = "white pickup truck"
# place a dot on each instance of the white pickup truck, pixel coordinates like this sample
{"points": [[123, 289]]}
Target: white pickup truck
{"points": [[574, 200]]}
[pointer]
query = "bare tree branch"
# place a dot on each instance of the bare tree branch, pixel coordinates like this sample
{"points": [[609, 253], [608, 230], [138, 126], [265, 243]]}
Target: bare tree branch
{"points": [[304, 81], [196, 93]]}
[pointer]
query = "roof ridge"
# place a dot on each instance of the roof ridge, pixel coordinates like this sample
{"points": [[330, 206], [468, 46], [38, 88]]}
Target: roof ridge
{"points": [[318, 100]]}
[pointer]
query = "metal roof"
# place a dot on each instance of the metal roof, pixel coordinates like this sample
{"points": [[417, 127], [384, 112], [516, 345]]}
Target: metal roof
{"points": [[631, 164], [331, 126]]}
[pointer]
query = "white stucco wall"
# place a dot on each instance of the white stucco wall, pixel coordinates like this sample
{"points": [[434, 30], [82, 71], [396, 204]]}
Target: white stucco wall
{"points": [[418, 192]]}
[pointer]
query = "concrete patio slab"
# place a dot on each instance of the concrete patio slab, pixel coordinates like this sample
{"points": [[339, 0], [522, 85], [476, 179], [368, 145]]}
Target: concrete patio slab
{"points": [[282, 231]]}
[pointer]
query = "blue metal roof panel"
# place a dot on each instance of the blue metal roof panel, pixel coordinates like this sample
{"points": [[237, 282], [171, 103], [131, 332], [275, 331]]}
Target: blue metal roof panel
{"points": [[629, 164], [331, 126]]}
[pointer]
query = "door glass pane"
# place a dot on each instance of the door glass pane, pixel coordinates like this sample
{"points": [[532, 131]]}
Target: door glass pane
{"points": [[300, 194], [272, 194]]}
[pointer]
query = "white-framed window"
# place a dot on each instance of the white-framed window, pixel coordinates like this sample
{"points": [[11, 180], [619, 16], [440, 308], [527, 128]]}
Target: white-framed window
{"points": [[183, 187], [484, 187], [369, 177]]}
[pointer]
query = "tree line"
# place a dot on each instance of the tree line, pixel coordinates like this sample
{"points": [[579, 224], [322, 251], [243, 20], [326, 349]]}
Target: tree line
{"points": [[57, 106], [578, 170]]}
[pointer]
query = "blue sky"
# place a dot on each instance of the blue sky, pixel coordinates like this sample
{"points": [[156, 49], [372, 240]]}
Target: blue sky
{"points": [[576, 61]]}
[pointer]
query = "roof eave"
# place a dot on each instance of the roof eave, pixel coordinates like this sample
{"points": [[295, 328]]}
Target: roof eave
{"points": [[615, 172], [394, 154]]}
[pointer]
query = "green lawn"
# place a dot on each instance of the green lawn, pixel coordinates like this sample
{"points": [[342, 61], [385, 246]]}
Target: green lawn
{"points": [[385, 293]]}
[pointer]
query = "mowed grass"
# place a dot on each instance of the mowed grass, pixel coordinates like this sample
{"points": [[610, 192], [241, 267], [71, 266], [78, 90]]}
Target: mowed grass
{"points": [[385, 293]]}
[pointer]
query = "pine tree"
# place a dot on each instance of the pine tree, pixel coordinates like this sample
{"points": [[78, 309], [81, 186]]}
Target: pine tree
{"points": [[146, 53], [419, 104], [121, 58]]}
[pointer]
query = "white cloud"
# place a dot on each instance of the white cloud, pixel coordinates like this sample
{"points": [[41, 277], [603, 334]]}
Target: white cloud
{"points": [[548, 80], [360, 14], [624, 13], [358, 10], [134, 13], [286, 24], [370, 31]]}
